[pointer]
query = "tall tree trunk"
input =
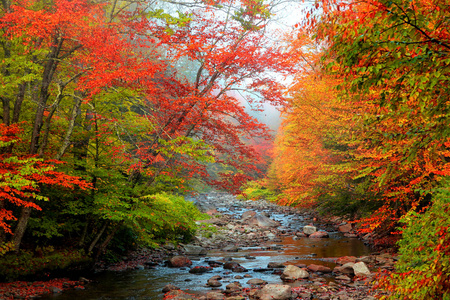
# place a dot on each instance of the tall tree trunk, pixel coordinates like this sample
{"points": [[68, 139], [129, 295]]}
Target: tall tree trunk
{"points": [[107, 240], [97, 238], [6, 111], [47, 78], [21, 227]]}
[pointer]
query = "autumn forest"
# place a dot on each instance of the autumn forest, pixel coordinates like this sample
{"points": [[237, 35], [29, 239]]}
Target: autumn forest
{"points": [[112, 111]]}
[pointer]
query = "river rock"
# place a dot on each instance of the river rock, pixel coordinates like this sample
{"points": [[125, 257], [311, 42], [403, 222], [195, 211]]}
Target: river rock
{"points": [[170, 287], [346, 259], [231, 248], [275, 292], [345, 228], [256, 281], [194, 250], [248, 214], [213, 283], [239, 269], [179, 261], [262, 221], [214, 264], [343, 278], [360, 269], [345, 269], [309, 229], [233, 289], [292, 273], [319, 268], [178, 295], [275, 265], [200, 269], [271, 236], [319, 234], [365, 259], [230, 265], [215, 296]]}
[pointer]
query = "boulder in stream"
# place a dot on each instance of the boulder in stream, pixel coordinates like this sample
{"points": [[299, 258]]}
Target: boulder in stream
{"points": [[248, 214], [309, 229], [361, 269], [275, 265], [346, 259], [345, 269], [262, 221], [200, 269], [292, 273], [319, 268], [275, 292], [319, 234], [256, 281], [179, 261], [233, 289], [213, 283]]}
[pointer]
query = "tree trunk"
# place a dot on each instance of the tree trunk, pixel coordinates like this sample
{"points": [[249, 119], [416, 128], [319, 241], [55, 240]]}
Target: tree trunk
{"points": [[84, 234], [94, 242], [108, 239], [67, 142], [21, 226], [6, 111]]}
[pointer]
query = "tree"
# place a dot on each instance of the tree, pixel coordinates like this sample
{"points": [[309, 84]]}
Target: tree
{"points": [[392, 56], [22, 178], [103, 93]]}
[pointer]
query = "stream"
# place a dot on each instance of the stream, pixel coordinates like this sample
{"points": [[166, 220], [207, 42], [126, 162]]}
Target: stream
{"points": [[286, 248]]}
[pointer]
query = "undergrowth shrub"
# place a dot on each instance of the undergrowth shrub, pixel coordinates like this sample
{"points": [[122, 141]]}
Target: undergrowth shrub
{"points": [[167, 217], [423, 269]]}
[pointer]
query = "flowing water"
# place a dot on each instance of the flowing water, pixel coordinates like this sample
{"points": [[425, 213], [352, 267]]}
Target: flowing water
{"points": [[148, 283]]}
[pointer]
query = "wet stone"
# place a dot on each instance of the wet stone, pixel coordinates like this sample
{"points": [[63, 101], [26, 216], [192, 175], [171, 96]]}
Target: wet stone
{"points": [[256, 281], [275, 265]]}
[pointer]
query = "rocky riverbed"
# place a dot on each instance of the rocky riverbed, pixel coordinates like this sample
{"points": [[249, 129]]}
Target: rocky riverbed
{"points": [[247, 250], [249, 224]]}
